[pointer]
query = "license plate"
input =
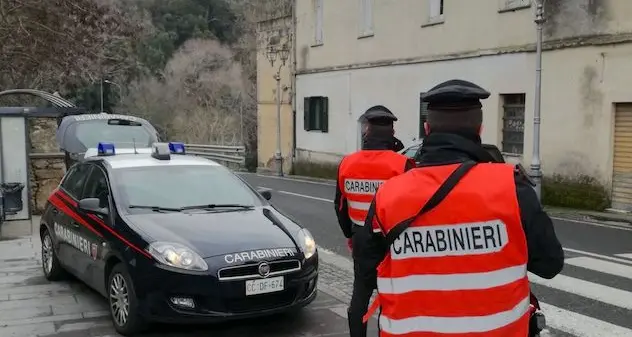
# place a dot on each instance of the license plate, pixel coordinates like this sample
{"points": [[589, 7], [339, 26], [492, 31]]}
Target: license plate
{"points": [[264, 286]]}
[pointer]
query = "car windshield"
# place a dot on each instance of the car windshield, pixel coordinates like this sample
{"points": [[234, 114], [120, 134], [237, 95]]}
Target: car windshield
{"points": [[90, 133], [411, 151], [180, 187]]}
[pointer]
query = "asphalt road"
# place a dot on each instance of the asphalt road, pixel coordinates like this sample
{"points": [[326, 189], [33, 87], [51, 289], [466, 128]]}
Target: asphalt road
{"points": [[592, 296]]}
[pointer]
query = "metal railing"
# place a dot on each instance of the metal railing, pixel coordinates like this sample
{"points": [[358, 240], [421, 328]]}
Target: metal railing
{"points": [[222, 153], [225, 154]]}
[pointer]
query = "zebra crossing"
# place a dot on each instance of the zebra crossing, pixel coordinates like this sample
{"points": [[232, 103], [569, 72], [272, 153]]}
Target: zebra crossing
{"points": [[592, 297]]}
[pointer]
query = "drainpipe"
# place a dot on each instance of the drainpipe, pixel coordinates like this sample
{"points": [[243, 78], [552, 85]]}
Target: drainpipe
{"points": [[293, 76]]}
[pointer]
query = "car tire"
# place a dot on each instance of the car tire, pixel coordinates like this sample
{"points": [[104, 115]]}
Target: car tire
{"points": [[120, 289], [53, 271]]}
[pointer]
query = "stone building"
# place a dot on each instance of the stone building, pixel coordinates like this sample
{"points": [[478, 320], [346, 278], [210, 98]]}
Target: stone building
{"points": [[355, 54]]}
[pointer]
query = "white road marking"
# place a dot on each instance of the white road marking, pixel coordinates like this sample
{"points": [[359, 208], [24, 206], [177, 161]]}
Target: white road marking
{"points": [[625, 256], [593, 291], [605, 257], [333, 183], [306, 196], [567, 321], [601, 266], [580, 325]]}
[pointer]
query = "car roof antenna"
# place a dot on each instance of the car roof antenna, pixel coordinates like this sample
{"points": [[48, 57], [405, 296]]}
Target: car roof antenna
{"points": [[134, 144]]}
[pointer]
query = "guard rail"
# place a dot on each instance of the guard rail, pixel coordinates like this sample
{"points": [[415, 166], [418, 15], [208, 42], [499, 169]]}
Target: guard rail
{"points": [[226, 154], [235, 155]]}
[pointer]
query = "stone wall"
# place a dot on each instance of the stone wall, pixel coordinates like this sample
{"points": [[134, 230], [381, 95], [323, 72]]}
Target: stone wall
{"points": [[46, 169]]}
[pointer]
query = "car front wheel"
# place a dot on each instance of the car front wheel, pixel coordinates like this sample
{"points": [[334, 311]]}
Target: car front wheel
{"points": [[123, 302], [53, 271]]}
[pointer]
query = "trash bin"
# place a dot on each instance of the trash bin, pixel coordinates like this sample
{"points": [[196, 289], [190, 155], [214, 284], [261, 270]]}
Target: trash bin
{"points": [[12, 197]]}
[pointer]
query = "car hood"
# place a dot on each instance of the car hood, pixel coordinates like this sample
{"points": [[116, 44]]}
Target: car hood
{"points": [[213, 234]]}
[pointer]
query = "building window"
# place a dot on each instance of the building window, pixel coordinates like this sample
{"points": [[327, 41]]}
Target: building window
{"points": [[316, 113], [318, 19], [423, 116], [513, 123], [436, 8], [366, 18]]}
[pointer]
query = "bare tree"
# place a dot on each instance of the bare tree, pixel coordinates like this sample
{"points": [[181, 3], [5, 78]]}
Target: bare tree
{"points": [[200, 98], [52, 44]]}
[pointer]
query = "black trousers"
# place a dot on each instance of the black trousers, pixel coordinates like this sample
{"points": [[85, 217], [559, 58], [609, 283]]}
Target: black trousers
{"points": [[358, 306]]}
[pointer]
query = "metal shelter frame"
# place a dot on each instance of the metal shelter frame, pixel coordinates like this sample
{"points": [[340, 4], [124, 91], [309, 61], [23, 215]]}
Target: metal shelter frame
{"points": [[60, 108]]}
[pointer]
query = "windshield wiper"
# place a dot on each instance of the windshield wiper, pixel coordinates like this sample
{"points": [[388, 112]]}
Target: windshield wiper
{"points": [[156, 208], [214, 206]]}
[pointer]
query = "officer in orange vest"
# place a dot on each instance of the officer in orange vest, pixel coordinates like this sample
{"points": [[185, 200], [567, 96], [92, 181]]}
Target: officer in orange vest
{"points": [[457, 235], [359, 176]]}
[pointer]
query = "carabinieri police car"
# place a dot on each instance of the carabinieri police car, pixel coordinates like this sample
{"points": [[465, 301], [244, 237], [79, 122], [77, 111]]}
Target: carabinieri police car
{"points": [[169, 237]]}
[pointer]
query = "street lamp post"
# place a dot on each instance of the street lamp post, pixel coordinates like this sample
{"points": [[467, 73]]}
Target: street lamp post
{"points": [[536, 171], [102, 80], [117, 86], [283, 52]]}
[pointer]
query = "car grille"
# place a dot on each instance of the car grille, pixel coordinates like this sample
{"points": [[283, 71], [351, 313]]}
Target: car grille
{"points": [[249, 271]]}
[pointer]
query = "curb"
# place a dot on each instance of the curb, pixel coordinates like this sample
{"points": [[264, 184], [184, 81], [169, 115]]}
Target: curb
{"points": [[270, 173], [574, 214]]}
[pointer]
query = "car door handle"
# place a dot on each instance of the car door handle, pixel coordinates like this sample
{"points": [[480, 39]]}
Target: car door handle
{"points": [[75, 225]]}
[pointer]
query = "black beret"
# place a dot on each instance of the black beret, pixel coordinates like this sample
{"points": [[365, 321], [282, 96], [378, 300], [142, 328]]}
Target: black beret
{"points": [[378, 114], [455, 95]]}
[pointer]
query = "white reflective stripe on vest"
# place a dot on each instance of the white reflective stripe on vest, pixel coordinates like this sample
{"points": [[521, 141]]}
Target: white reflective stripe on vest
{"points": [[357, 222], [471, 281], [362, 206], [454, 324]]}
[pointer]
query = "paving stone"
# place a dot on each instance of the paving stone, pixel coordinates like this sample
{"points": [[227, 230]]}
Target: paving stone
{"points": [[84, 325], [34, 289], [38, 302], [92, 299], [23, 313], [62, 309], [20, 278], [41, 319], [28, 330], [42, 294], [20, 267], [94, 314]]}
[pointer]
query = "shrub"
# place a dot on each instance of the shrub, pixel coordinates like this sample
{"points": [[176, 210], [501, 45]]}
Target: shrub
{"points": [[581, 192], [313, 169]]}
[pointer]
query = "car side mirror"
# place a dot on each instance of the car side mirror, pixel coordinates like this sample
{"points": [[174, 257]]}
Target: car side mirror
{"points": [[91, 205], [265, 193]]}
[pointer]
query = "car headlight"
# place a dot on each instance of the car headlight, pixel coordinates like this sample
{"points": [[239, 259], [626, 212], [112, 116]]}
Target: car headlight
{"points": [[177, 256], [307, 243]]}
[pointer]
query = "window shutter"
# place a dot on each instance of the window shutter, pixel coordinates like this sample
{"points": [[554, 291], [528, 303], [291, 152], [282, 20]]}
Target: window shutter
{"points": [[306, 115], [325, 116]]}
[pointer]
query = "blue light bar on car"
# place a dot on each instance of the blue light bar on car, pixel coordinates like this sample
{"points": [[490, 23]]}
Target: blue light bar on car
{"points": [[176, 148], [105, 149]]}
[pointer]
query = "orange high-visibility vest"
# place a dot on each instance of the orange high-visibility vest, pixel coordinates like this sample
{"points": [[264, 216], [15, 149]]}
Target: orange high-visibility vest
{"points": [[459, 270], [361, 173]]}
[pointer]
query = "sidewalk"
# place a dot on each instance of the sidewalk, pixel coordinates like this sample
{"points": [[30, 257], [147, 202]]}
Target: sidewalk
{"points": [[31, 306]]}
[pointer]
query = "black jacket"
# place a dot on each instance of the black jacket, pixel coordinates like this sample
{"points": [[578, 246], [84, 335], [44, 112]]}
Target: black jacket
{"points": [[546, 257], [340, 203]]}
